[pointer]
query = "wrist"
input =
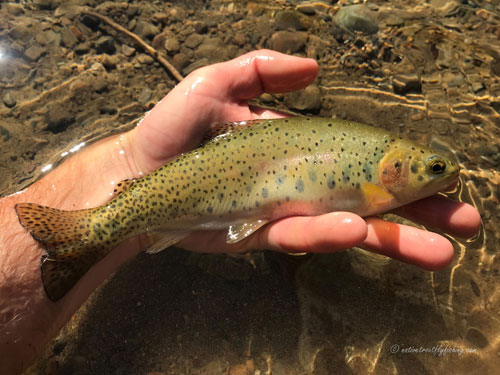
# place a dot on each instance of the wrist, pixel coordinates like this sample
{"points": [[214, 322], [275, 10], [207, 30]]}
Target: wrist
{"points": [[27, 317]]}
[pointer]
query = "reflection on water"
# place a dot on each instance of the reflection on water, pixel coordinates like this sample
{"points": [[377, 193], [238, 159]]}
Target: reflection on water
{"points": [[432, 73]]}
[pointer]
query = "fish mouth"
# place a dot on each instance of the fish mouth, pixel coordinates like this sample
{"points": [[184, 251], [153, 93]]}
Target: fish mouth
{"points": [[448, 183]]}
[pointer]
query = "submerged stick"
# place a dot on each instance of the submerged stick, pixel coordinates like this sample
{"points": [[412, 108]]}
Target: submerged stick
{"points": [[150, 50]]}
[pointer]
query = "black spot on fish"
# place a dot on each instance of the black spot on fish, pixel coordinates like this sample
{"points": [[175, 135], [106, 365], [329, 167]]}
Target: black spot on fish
{"points": [[420, 178], [233, 203], [209, 210], [414, 168], [331, 181]]}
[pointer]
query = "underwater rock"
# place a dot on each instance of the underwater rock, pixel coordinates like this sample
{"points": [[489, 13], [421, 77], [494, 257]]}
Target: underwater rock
{"points": [[68, 9], [172, 45], [127, 50], [9, 100], [48, 37], [68, 38], [47, 4], [14, 9], [404, 84], [145, 30], [476, 338], [58, 118], [196, 65], [357, 18], [288, 42], [82, 48], [291, 19], [105, 44], [496, 106], [193, 41], [33, 53], [180, 61], [306, 9], [214, 49], [200, 27], [4, 133], [90, 21], [240, 39], [308, 99]]}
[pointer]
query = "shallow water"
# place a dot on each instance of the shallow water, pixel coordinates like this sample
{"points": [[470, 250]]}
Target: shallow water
{"points": [[431, 72]]}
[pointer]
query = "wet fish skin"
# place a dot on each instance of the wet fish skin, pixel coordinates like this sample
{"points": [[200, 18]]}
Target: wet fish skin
{"points": [[251, 173]]}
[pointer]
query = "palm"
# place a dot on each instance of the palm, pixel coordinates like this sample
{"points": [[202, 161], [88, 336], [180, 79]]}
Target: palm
{"points": [[218, 94]]}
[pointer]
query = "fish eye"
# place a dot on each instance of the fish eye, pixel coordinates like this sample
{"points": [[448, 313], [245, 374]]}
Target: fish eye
{"points": [[437, 166]]}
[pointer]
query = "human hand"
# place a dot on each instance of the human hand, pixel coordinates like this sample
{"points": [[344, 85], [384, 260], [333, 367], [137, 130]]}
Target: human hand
{"points": [[219, 93]]}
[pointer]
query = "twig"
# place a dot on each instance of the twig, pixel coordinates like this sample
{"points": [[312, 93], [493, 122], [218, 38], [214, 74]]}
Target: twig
{"points": [[150, 50]]}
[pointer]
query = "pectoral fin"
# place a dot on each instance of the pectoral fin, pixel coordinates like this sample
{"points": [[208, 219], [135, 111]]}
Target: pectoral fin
{"points": [[161, 240], [236, 233], [375, 195]]}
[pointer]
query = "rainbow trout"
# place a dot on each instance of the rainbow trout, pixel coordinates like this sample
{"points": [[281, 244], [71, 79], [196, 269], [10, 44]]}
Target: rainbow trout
{"points": [[249, 174]]}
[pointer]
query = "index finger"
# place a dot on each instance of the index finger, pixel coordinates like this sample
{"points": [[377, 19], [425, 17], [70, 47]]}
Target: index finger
{"points": [[213, 94]]}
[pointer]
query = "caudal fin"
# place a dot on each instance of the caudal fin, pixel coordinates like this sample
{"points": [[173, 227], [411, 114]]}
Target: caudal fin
{"points": [[65, 236]]}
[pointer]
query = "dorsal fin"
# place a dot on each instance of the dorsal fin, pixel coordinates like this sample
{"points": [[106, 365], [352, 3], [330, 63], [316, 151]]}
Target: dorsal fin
{"points": [[221, 129]]}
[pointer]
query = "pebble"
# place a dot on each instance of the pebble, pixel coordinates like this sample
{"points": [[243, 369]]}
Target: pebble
{"points": [[58, 118], [200, 27], [172, 45], [33, 53], [306, 9], [105, 44], [495, 66], [82, 48], [180, 61], [291, 19], [194, 40], [145, 95], [127, 50], [288, 42], [132, 11], [9, 100], [212, 49], [68, 9], [476, 338], [90, 21], [477, 87], [14, 9], [4, 133], [308, 99], [240, 39], [405, 84], [496, 106], [357, 18], [145, 59], [47, 4], [145, 30], [196, 65], [48, 37], [68, 38], [394, 21]]}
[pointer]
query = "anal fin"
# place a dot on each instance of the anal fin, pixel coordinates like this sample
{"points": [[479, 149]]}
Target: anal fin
{"points": [[236, 233]]}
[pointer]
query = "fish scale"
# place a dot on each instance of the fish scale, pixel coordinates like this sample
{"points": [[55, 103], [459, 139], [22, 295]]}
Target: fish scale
{"points": [[249, 174]]}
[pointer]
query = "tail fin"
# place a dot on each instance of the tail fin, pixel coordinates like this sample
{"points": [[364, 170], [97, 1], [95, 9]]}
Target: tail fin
{"points": [[64, 234]]}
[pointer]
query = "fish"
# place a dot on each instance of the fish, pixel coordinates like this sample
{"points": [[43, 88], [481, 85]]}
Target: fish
{"points": [[245, 175]]}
